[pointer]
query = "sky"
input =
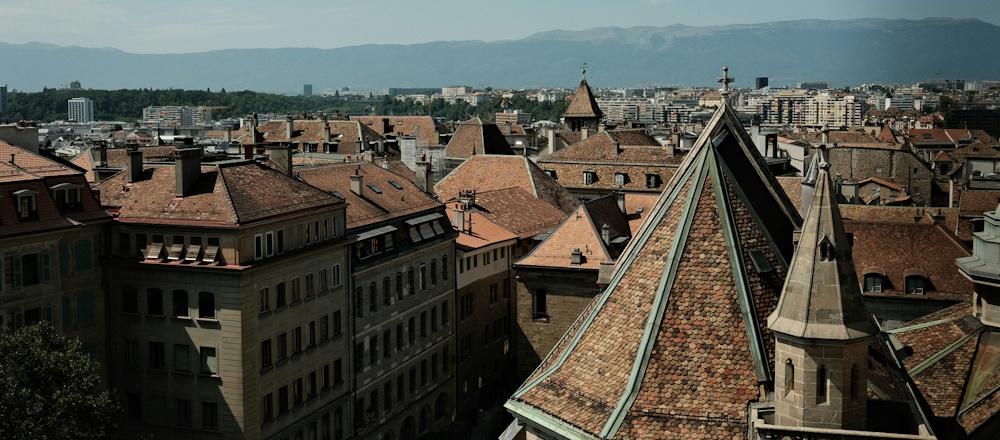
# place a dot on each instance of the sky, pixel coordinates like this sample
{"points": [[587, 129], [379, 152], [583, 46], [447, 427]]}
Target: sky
{"points": [[184, 26]]}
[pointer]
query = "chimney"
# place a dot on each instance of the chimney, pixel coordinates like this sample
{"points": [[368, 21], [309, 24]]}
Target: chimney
{"points": [[282, 157], [386, 126], [187, 168], [951, 193], [289, 126], [458, 218], [621, 203], [552, 142], [584, 132], [228, 137], [357, 183], [326, 129], [104, 154], [826, 134], [467, 197], [134, 164], [576, 257], [601, 128], [425, 180], [606, 234]]}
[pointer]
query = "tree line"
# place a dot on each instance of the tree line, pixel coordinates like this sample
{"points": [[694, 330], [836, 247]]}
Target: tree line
{"points": [[127, 104]]}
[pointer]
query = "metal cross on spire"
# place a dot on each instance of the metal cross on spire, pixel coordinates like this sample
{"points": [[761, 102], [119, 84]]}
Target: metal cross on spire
{"points": [[584, 69], [725, 80]]}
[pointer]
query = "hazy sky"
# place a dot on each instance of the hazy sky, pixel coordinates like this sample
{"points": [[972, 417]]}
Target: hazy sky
{"points": [[180, 26]]}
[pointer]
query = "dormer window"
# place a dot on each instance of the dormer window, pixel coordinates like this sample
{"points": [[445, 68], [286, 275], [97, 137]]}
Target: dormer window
{"points": [[873, 283], [67, 197], [551, 173], [26, 209], [916, 285], [620, 179], [652, 180], [589, 177]]}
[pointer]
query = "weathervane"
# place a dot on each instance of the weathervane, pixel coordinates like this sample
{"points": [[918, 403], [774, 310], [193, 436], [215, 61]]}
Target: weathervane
{"points": [[584, 69], [725, 80]]}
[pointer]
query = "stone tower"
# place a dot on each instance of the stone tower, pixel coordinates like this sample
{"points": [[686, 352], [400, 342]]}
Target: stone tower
{"points": [[983, 268], [821, 326]]}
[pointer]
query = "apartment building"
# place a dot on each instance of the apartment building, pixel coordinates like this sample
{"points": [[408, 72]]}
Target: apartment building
{"points": [[80, 110], [51, 231], [402, 281], [228, 312]]}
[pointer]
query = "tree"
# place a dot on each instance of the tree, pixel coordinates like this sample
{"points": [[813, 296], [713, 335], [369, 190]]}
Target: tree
{"points": [[49, 388]]}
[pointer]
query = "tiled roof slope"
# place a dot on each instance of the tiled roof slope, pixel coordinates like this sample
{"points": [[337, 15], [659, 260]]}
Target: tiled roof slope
{"points": [[518, 211], [36, 173], [424, 127], [224, 195], [898, 249], [475, 137], [616, 146], [684, 293], [371, 207], [583, 104], [482, 232], [955, 366], [311, 131], [491, 172], [583, 230]]}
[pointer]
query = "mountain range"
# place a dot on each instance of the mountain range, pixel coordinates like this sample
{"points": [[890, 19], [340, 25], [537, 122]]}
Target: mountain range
{"points": [[842, 52]]}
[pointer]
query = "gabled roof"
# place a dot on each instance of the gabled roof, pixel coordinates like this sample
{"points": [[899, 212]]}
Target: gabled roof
{"points": [[225, 195], [881, 182], [616, 146], [507, 207], [482, 232], [885, 135], [490, 172], [475, 137], [641, 359], [371, 207], [583, 230], [425, 128], [311, 131], [583, 104]]}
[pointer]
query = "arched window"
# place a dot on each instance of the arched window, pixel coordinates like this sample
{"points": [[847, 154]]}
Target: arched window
{"points": [[821, 385], [789, 376], [441, 406], [916, 285], [425, 419], [873, 282], [853, 386], [409, 430], [206, 305]]}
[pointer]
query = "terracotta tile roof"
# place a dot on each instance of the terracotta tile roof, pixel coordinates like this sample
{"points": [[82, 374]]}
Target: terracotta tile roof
{"points": [[82, 160], [595, 379], [507, 207], [570, 175], [346, 133], [941, 156], [633, 204], [975, 149], [425, 127], [838, 137], [900, 214], [610, 147], [226, 194], [885, 135], [582, 231], [570, 137], [20, 160], [476, 137], [793, 188], [583, 104], [975, 202], [372, 207], [482, 232], [490, 172], [404, 171], [900, 248], [881, 182]]}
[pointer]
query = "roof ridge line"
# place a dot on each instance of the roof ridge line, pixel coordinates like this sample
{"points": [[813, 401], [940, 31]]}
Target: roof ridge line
{"points": [[917, 369], [598, 234], [229, 194], [531, 178], [660, 302]]}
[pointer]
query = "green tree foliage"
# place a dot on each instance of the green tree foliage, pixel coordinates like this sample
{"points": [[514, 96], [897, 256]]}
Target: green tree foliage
{"points": [[50, 389], [126, 105]]}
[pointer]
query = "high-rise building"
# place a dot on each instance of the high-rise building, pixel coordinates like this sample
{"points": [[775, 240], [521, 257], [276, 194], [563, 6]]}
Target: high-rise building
{"points": [[81, 110], [761, 82], [307, 89], [3, 99]]}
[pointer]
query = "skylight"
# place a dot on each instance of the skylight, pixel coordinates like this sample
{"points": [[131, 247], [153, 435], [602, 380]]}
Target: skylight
{"points": [[395, 184], [375, 188]]}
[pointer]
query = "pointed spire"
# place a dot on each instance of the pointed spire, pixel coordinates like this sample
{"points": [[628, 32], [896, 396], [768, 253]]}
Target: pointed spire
{"points": [[821, 298]]}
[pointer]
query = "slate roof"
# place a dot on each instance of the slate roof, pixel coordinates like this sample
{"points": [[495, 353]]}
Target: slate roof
{"points": [[583, 230], [898, 249], [38, 173], [955, 366], [476, 137], [507, 207], [370, 207], [491, 172], [583, 105], [642, 359]]}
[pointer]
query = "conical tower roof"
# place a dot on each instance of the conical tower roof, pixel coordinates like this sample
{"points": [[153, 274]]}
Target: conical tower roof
{"points": [[821, 298], [677, 344], [583, 105]]}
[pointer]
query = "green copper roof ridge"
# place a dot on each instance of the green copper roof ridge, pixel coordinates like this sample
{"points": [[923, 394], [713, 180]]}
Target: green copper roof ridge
{"points": [[547, 421], [658, 307], [919, 368], [734, 249], [878, 391], [922, 325], [611, 286]]}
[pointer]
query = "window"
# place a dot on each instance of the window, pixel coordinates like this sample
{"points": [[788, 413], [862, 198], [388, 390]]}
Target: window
{"points": [[494, 293], [280, 245], [359, 303], [265, 353], [538, 306], [412, 330], [310, 285], [154, 302], [589, 177], [31, 269], [279, 291], [206, 305], [789, 376], [267, 407], [296, 340], [184, 412], [423, 277], [336, 275], [133, 407], [915, 285], [209, 363], [312, 391], [130, 353], [434, 279], [386, 343], [85, 308], [182, 357], [312, 333], [413, 381], [372, 297], [156, 359], [399, 337], [465, 305], [423, 324], [295, 290], [283, 399], [444, 355], [400, 387], [26, 209], [326, 376], [269, 244], [434, 366], [359, 360], [619, 179], [373, 350], [486, 258], [821, 385], [434, 319], [410, 279], [386, 295], [399, 286], [297, 396], [338, 372], [336, 323], [506, 288], [323, 281], [210, 415], [282, 346], [258, 247], [387, 390], [265, 300], [444, 314], [873, 283], [181, 304], [67, 197], [83, 256], [444, 267], [130, 300], [652, 180], [324, 328]]}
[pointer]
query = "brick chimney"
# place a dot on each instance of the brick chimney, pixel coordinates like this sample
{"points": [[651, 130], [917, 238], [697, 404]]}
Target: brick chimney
{"points": [[425, 180], [134, 165], [357, 183], [187, 168]]}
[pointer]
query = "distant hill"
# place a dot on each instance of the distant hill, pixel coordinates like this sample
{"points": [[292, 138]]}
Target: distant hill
{"points": [[842, 52]]}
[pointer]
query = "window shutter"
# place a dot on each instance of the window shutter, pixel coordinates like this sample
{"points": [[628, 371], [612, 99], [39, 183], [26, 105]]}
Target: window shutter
{"points": [[63, 258], [46, 267], [84, 254], [18, 278]]}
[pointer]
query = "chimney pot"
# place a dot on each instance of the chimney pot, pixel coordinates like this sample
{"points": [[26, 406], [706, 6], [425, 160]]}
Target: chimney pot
{"points": [[576, 257], [357, 184], [606, 234]]}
